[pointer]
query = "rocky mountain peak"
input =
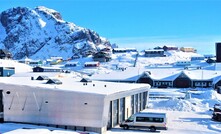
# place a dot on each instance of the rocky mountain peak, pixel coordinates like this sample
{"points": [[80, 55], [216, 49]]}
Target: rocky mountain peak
{"points": [[41, 33]]}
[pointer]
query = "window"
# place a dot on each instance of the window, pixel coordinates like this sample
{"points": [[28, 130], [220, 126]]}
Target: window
{"points": [[130, 119], [140, 119], [149, 119]]}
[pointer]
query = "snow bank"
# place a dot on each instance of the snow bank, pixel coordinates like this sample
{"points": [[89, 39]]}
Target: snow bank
{"points": [[201, 100]]}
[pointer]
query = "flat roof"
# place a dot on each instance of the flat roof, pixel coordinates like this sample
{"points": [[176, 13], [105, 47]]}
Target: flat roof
{"points": [[74, 84]]}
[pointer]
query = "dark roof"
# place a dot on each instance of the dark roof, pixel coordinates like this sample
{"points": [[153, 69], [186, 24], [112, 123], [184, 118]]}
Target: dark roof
{"points": [[53, 81], [86, 80], [42, 77]]}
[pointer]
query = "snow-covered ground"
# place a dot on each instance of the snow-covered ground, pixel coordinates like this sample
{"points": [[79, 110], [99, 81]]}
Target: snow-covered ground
{"points": [[190, 115]]}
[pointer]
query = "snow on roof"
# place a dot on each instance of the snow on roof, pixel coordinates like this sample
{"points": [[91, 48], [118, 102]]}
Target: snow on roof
{"points": [[71, 84], [19, 67], [46, 67], [134, 73], [155, 50], [91, 62], [128, 74], [202, 74]]}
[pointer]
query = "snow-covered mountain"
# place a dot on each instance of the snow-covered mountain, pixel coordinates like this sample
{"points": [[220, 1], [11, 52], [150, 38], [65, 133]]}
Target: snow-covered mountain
{"points": [[42, 33]]}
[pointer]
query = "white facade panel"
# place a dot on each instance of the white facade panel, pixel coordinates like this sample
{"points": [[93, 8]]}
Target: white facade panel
{"points": [[48, 106]]}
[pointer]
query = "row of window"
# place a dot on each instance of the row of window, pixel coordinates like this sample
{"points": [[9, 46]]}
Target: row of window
{"points": [[170, 84], [149, 119]]}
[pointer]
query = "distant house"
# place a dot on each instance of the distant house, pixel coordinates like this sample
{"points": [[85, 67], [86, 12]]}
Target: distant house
{"points": [[123, 50], [71, 64], [183, 63], [187, 49], [91, 64], [154, 53], [209, 56], [31, 62], [6, 71], [106, 49], [46, 69], [119, 50], [5, 54], [131, 50], [197, 58], [168, 48], [101, 56]]}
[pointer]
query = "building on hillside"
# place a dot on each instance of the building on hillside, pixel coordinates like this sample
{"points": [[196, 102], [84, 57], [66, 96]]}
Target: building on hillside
{"points": [[183, 63], [154, 53], [31, 62], [6, 71], [119, 50], [197, 58], [209, 56], [102, 56], [95, 106], [92, 64], [106, 49], [46, 69], [168, 48], [188, 49], [123, 50], [71, 64], [131, 50], [5, 54]]}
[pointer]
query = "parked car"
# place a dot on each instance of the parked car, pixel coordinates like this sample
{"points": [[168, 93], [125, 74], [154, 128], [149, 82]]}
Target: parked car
{"points": [[149, 120]]}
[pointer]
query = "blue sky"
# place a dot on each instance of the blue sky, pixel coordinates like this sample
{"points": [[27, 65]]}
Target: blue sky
{"points": [[136, 20]]}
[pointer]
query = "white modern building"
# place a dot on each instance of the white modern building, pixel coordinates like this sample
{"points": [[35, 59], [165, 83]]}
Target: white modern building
{"points": [[93, 106]]}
